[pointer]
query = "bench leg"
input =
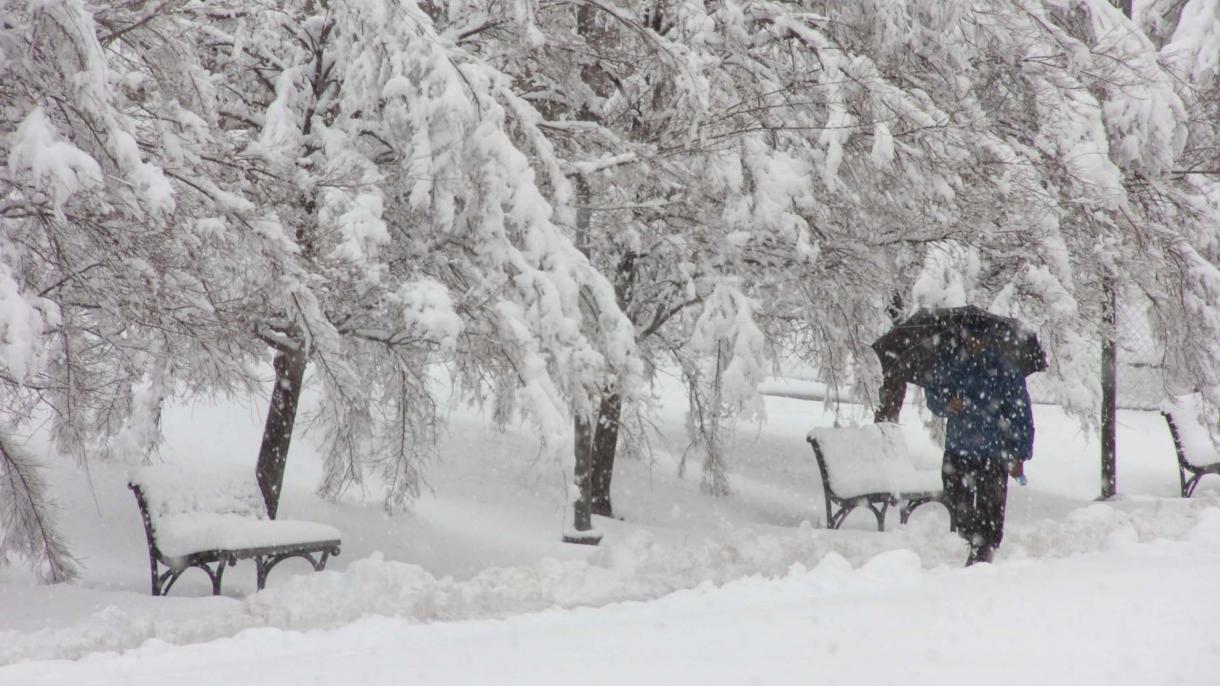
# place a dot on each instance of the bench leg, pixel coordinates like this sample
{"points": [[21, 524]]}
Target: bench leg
{"points": [[163, 582], [169, 578], [321, 563], [879, 514], [156, 576], [220, 571], [264, 563], [904, 515], [262, 566], [836, 520], [213, 576], [909, 506]]}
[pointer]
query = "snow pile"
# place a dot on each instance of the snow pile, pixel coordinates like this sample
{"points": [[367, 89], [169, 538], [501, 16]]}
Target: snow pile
{"points": [[637, 567], [112, 629], [1104, 526], [888, 621]]}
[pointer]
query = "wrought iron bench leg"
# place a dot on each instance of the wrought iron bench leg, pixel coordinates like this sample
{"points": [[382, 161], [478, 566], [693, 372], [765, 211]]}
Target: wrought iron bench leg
{"points": [[169, 578], [904, 512], [908, 508], [156, 576], [837, 520], [261, 568], [264, 563], [220, 571], [214, 576], [880, 513], [1189, 489]]}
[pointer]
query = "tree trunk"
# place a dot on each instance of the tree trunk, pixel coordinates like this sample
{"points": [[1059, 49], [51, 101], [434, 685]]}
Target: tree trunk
{"points": [[582, 517], [889, 405], [893, 390], [609, 414], [605, 443], [277, 434]]}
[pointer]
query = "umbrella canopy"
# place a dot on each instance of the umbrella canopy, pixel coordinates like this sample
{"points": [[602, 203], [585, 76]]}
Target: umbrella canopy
{"points": [[912, 349]]}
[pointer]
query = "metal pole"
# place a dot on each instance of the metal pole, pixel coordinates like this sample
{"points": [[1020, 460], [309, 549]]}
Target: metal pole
{"points": [[1109, 399], [1109, 363]]}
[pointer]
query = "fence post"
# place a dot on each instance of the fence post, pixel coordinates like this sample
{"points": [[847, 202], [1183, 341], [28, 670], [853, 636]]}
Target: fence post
{"points": [[1109, 360], [1109, 396]]}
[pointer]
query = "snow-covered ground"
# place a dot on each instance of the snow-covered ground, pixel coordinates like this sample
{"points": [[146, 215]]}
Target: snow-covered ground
{"points": [[475, 587]]}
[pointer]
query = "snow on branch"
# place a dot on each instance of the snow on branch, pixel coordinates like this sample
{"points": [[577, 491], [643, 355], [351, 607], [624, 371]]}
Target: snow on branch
{"points": [[27, 525]]}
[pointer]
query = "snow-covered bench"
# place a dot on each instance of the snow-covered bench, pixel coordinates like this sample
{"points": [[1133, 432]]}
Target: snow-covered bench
{"points": [[210, 520], [870, 466], [1197, 453]]}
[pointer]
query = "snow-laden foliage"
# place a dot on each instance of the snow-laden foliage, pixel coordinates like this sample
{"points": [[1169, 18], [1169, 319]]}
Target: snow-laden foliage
{"points": [[115, 264], [186, 184], [27, 526], [817, 155], [421, 220]]}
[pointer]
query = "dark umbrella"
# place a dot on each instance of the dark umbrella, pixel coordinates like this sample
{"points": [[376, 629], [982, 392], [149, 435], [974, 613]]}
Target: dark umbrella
{"points": [[912, 349]]}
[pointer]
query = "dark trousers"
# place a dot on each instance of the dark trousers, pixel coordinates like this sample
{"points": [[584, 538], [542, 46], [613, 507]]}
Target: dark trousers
{"points": [[975, 493]]}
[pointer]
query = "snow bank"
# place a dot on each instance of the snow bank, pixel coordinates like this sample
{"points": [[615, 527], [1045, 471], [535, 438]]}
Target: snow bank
{"points": [[636, 567]]}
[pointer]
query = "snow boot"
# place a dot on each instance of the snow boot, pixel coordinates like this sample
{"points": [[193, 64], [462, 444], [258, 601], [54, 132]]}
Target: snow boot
{"points": [[980, 553]]}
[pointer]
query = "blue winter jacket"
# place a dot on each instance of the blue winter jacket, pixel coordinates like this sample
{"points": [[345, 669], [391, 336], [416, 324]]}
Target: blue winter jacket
{"points": [[997, 421]]}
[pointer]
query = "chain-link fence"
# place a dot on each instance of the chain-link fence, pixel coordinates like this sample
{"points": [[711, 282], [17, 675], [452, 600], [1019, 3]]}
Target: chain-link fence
{"points": [[1141, 378]]}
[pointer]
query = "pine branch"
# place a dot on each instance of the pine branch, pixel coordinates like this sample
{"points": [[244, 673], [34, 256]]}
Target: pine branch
{"points": [[27, 519]]}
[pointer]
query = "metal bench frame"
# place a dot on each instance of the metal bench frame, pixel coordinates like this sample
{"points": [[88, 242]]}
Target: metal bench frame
{"points": [[834, 519], [213, 562], [1196, 472]]}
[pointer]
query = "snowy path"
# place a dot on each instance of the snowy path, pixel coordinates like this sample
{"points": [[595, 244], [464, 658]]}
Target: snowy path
{"points": [[1129, 617]]}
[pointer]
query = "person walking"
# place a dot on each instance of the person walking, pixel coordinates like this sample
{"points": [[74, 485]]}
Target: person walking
{"points": [[990, 435]]}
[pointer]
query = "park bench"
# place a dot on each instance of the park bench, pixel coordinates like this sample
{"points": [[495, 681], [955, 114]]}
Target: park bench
{"points": [[1197, 453], [870, 466], [211, 520]]}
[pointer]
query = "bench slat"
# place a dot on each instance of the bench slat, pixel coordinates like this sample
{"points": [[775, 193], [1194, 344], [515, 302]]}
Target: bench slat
{"points": [[180, 535]]}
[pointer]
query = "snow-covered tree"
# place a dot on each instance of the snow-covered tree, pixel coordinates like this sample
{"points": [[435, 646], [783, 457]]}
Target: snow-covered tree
{"points": [[420, 217], [110, 289], [739, 164], [186, 185]]}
